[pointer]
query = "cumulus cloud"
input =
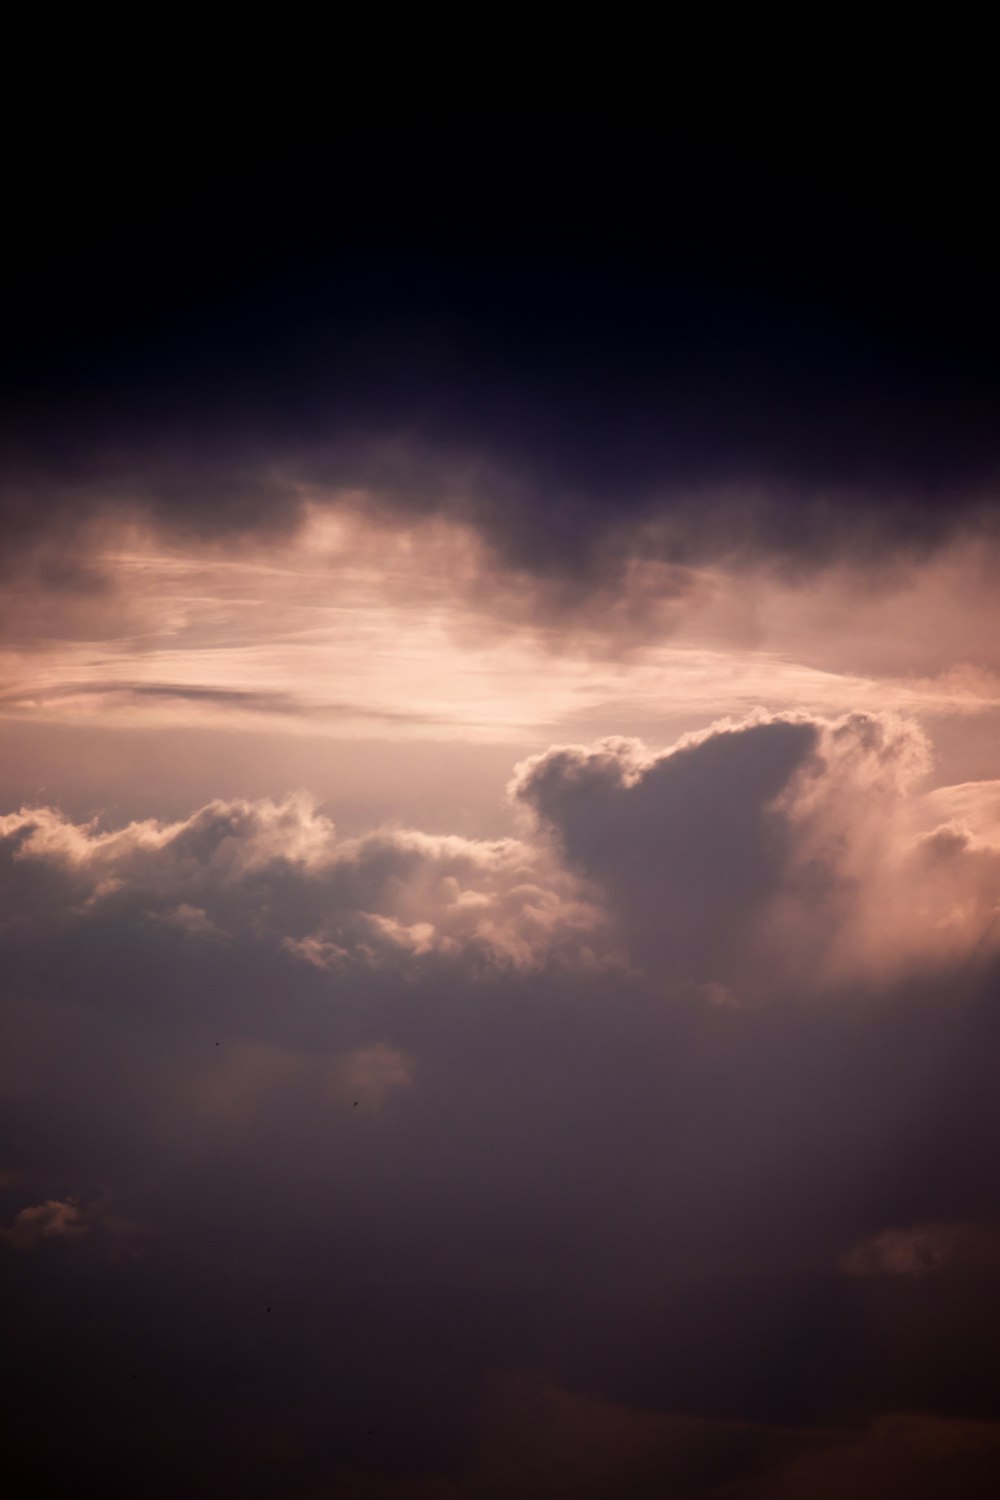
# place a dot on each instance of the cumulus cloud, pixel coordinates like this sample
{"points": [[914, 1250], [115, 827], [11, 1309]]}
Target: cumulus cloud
{"points": [[686, 844], [392, 896], [780, 849], [744, 860]]}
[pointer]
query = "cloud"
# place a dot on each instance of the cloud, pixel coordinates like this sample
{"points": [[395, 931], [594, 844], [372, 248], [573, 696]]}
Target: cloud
{"points": [[625, 1103], [902, 1252], [108, 1237], [686, 400], [745, 861], [544, 1440], [513, 550], [245, 1086], [917, 1454], [112, 695], [767, 853], [686, 844], [52, 1220], [190, 919], [389, 897], [924, 1249]]}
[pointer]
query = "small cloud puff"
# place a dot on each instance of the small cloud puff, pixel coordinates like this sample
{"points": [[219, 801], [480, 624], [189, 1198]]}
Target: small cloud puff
{"points": [[53, 1220], [190, 919], [922, 1250]]}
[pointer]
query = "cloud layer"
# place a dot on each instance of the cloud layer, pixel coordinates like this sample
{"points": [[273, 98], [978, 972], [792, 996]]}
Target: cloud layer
{"points": [[632, 1155], [635, 344], [772, 852]]}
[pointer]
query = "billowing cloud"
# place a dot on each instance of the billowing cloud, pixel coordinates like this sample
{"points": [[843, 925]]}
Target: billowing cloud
{"points": [[778, 851], [751, 857], [686, 844], [278, 869]]}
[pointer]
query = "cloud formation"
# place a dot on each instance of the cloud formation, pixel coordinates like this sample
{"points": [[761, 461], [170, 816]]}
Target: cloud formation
{"points": [[753, 857], [581, 371], [278, 870], [624, 1138], [780, 851], [46, 1221]]}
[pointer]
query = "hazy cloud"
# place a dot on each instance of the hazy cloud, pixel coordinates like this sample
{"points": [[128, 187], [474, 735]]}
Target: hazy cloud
{"points": [[53, 1220], [923, 1249]]}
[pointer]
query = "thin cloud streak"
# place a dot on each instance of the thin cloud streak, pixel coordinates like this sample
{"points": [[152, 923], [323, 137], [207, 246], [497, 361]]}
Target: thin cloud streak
{"points": [[217, 641]]}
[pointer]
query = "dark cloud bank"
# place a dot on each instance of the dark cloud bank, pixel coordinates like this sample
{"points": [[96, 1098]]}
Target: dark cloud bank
{"points": [[582, 341], [612, 1161]]}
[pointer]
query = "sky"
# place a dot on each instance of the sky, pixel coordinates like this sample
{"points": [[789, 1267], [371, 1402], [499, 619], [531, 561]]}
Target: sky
{"points": [[500, 802]]}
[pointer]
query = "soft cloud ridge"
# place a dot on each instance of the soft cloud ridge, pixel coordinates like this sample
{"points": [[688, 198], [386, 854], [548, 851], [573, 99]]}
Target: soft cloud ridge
{"points": [[755, 856]]}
